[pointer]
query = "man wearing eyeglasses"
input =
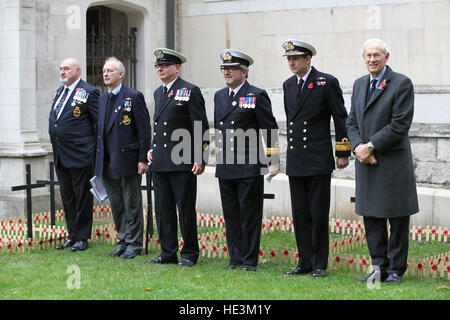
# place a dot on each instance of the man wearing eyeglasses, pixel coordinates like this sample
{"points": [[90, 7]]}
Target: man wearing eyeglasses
{"points": [[242, 115], [180, 140]]}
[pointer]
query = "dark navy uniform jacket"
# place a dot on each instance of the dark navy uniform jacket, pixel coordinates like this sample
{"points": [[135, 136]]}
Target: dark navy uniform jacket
{"points": [[183, 108], [73, 134], [234, 118], [127, 133], [309, 146]]}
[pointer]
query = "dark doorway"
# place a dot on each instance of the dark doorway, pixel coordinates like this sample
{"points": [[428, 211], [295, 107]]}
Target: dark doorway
{"points": [[108, 35]]}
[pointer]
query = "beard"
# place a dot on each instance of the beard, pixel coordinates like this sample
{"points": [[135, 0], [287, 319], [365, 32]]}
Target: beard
{"points": [[63, 80]]}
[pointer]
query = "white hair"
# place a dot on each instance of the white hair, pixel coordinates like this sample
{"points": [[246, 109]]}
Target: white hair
{"points": [[120, 66], [383, 45]]}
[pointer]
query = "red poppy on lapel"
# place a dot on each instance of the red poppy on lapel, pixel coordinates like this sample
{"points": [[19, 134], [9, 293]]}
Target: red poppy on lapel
{"points": [[310, 86]]}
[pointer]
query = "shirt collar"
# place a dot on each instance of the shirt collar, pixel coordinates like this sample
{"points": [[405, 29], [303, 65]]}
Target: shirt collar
{"points": [[235, 90], [116, 90], [379, 77], [73, 85], [305, 77], [168, 86]]}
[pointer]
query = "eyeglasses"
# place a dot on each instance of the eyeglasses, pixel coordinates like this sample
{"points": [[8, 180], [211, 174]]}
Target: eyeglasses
{"points": [[163, 65], [224, 69]]}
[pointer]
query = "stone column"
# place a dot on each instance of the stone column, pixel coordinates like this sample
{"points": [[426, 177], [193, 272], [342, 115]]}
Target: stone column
{"points": [[19, 143]]}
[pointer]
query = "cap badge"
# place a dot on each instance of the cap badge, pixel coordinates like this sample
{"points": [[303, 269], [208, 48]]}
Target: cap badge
{"points": [[160, 54], [289, 46], [227, 57]]}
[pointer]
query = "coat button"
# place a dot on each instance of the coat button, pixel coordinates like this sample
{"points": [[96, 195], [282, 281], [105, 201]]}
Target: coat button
{"points": [[232, 122], [221, 122], [98, 150], [304, 130], [291, 123], [165, 123], [305, 123], [165, 134], [290, 131], [291, 147], [165, 145], [305, 146], [154, 145], [156, 123], [123, 150], [290, 139], [304, 138]]}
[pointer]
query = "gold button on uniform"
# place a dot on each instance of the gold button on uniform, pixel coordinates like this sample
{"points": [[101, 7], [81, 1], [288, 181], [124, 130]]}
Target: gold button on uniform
{"points": [[305, 123], [290, 139], [292, 147], [304, 138], [291, 123], [305, 146], [304, 130], [290, 131]]}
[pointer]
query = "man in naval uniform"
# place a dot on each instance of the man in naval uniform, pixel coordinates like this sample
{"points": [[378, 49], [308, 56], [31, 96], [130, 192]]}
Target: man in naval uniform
{"points": [[242, 114], [176, 157], [311, 98], [123, 140], [72, 121]]}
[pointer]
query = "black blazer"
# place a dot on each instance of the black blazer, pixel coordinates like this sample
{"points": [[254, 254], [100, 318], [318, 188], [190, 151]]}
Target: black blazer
{"points": [[309, 148], [183, 108], [73, 134], [233, 161], [127, 133]]}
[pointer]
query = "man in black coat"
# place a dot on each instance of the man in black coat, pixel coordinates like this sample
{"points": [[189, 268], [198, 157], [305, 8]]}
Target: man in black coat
{"points": [[123, 140], [311, 98], [72, 120], [176, 157], [378, 125], [242, 115]]}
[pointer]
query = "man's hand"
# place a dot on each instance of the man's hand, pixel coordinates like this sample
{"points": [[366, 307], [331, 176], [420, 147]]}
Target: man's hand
{"points": [[142, 167], [198, 169], [273, 169], [364, 155], [342, 163]]}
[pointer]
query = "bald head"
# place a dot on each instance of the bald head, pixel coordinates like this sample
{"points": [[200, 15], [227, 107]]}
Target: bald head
{"points": [[69, 71]]}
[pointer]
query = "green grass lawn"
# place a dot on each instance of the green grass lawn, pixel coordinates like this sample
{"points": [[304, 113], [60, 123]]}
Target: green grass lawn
{"points": [[45, 275]]}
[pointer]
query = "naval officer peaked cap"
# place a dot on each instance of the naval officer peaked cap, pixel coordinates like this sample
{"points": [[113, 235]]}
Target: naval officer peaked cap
{"points": [[298, 48], [169, 56], [235, 58]]}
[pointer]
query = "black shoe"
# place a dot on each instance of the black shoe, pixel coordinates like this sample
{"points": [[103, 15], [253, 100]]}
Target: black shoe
{"points": [[130, 254], [318, 273], [230, 267], [393, 278], [248, 268], [186, 262], [160, 260], [80, 246], [374, 276], [119, 250], [297, 272], [66, 244]]}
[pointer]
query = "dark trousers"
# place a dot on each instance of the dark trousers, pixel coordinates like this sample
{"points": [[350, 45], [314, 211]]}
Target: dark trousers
{"points": [[242, 205], [390, 253], [77, 200], [125, 198], [310, 201], [176, 190]]}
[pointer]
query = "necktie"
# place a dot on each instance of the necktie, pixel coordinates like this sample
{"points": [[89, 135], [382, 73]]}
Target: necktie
{"points": [[164, 94], [372, 88], [300, 86], [230, 97], [109, 107], [61, 101]]}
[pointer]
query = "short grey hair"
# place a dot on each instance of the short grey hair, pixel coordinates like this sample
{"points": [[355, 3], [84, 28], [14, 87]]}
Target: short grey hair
{"points": [[120, 66], [383, 45]]}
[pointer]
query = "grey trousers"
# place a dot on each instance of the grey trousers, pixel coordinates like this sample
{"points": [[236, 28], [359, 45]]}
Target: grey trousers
{"points": [[125, 198]]}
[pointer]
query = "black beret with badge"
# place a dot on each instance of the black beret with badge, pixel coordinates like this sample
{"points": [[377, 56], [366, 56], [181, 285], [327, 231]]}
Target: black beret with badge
{"points": [[168, 56], [294, 47]]}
